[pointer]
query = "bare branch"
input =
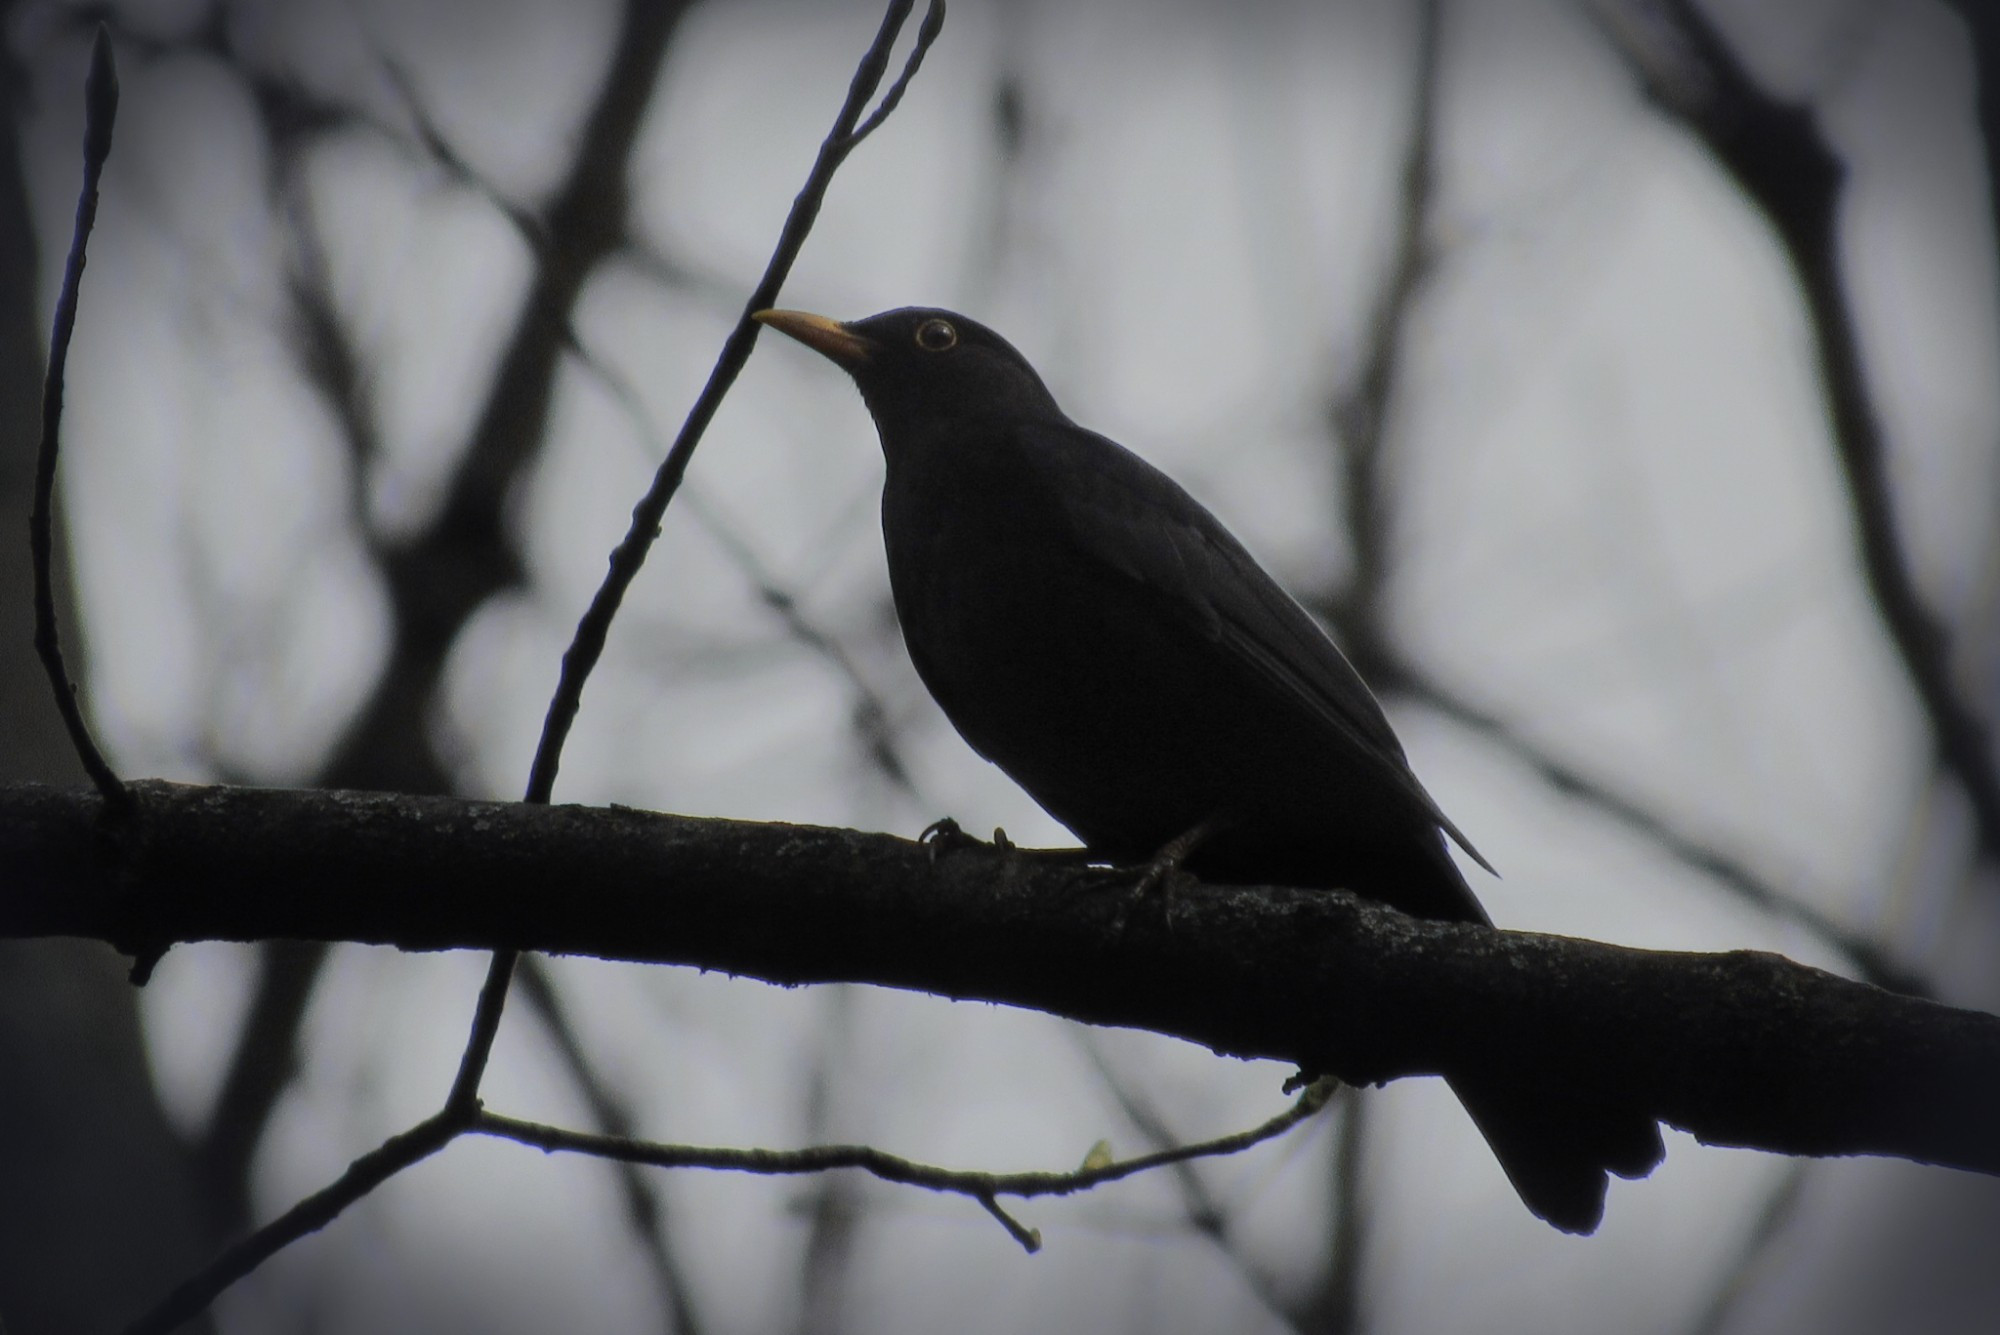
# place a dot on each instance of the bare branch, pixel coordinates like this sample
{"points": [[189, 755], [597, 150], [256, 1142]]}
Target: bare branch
{"points": [[873, 722], [927, 32], [470, 513], [980, 1186], [310, 1215], [594, 628], [1784, 165], [1205, 1215], [1742, 1048], [1029, 1238], [439, 578], [587, 646], [100, 98]]}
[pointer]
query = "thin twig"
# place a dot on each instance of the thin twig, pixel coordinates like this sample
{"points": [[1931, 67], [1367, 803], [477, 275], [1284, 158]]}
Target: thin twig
{"points": [[594, 628], [872, 719], [1029, 1238], [587, 646], [927, 32], [1206, 1215], [437, 578], [100, 101], [461, 1110], [310, 1215], [485, 1028], [979, 1186]]}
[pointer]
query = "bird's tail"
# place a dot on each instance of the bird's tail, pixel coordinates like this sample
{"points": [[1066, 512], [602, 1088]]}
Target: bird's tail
{"points": [[1555, 1147], [1555, 1152]]}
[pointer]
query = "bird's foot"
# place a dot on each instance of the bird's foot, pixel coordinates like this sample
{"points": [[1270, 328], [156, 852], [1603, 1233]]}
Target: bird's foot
{"points": [[1157, 874], [945, 836]]}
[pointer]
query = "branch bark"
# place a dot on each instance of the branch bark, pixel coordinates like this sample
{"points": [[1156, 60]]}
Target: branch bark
{"points": [[1741, 1048]]}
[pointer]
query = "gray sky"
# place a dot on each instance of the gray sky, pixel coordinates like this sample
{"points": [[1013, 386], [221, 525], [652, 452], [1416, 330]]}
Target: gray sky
{"points": [[1617, 525]]}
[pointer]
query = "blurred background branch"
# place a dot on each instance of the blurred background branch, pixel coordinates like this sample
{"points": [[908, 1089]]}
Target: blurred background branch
{"points": [[1517, 336]]}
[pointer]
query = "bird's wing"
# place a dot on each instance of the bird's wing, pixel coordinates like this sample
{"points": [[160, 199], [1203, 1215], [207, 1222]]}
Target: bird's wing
{"points": [[1127, 515]]}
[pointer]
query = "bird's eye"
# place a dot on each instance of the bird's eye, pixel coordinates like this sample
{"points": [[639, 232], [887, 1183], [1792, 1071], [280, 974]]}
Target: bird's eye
{"points": [[936, 335]]}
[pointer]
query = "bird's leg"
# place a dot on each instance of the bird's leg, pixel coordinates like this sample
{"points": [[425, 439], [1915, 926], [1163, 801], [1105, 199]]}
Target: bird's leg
{"points": [[1169, 859], [1176, 851]]}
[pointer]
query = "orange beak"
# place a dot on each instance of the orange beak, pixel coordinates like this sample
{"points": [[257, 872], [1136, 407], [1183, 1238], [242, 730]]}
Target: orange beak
{"points": [[830, 338]]}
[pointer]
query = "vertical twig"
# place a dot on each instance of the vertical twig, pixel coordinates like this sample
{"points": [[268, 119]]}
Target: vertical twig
{"points": [[100, 98], [872, 720], [436, 578], [461, 1111], [587, 646], [594, 628]]}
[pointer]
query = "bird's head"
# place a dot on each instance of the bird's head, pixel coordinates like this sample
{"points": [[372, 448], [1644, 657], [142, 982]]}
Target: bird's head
{"points": [[920, 366]]}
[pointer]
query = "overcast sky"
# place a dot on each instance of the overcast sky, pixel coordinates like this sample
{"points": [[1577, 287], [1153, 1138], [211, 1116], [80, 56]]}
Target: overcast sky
{"points": [[1616, 524]]}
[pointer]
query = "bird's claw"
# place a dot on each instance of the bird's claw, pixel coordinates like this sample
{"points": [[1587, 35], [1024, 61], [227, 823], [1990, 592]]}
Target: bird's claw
{"points": [[1167, 863], [1156, 878], [945, 836], [1153, 876]]}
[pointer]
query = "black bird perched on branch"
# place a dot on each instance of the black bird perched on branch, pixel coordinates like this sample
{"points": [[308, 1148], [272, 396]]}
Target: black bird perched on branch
{"points": [[1091, 629]]}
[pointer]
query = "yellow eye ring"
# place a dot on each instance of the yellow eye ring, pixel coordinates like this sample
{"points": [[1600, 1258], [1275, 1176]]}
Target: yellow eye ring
{"points": [[936, 336]]}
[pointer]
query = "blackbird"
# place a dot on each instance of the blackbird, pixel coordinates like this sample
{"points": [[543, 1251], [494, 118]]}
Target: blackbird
{"points": [[1091, 629]]}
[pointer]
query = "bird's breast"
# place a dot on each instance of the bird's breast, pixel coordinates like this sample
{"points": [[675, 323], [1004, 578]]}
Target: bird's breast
{"points": [[986, 584], [1050, 663]]}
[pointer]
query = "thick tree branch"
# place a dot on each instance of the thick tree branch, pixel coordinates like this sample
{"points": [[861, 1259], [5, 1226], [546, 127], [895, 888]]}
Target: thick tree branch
{"points": [[1740, 1048]]}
